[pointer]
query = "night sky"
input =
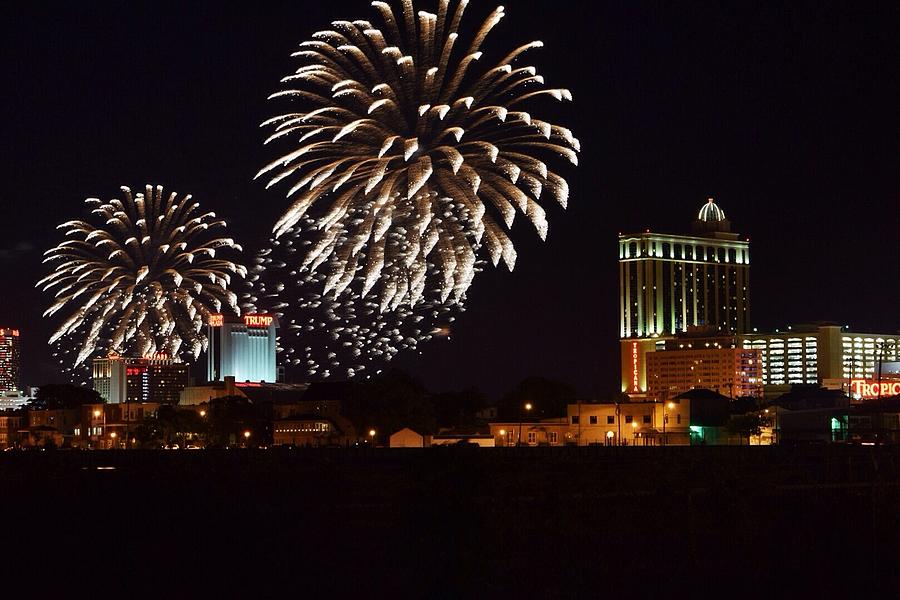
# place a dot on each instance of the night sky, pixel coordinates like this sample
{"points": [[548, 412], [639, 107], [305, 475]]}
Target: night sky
{"points": [[787, 116]]}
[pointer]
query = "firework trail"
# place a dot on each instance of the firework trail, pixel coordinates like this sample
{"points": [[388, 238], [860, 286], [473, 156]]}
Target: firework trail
{"points": [[142, 278]]}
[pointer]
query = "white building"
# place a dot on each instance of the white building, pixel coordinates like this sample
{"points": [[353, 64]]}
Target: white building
{"points": [[243, 348]]}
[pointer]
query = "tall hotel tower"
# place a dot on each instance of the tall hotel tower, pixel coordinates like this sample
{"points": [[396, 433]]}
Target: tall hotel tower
{"points": [[9, 360], [668, 283]]}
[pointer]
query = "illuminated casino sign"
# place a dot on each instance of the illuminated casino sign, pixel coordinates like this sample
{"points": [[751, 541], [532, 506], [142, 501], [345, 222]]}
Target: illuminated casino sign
{"points": [[635, 370], [216, 320], [258, 320], [865, 388]]}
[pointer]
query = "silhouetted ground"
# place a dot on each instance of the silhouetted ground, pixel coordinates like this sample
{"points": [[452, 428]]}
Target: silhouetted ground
{"points": [[451, 522]]}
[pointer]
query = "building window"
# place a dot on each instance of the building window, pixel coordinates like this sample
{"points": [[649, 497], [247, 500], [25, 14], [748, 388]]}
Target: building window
{"points": [[647, 419], [678, 419], [532, 437], [593, 419], [574, 419], [628, 418], [610, 420], [553, 437]]}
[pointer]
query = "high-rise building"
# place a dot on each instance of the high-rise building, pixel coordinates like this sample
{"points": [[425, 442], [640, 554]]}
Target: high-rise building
{"points": [[242, 347], [9, 360], [668, 283], [157, 378]]}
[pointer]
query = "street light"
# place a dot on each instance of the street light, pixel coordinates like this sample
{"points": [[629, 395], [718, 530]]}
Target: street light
{"points": [[112, 436], [528, 408], [503, 437], [372, 436], [668, 406], [202, 413], [246, 437], [634, 433], [97, 414]]}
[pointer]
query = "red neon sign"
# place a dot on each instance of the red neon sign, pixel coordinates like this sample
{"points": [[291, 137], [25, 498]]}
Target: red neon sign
{"points": [[635, 371], [216, 320], [865, 388], [258, 320]]}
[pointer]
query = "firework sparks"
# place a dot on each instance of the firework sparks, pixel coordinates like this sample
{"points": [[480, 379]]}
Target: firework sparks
{"points": [[323, 337], [143, 278], [411, 156]]}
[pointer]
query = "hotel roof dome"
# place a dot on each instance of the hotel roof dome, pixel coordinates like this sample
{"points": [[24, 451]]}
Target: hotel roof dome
{"points": [[710, 212]]}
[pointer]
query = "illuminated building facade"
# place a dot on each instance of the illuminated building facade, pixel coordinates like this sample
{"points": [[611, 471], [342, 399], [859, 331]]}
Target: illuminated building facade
{"points": [[668, 283], [825, 355], [243, 348], [9, 360], [732, 372], [157, 378]]}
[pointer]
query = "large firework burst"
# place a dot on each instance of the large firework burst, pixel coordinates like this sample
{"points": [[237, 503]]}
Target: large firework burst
{"points": [[143, 278], [411, 155]]}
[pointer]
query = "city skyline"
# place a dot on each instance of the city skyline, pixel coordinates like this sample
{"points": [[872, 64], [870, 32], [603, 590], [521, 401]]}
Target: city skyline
{"points": [[787, 132]]}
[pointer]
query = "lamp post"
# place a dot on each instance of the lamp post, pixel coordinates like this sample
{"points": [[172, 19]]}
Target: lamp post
{"points": [[528, 408], [112, 437], [504, 438], [246, 437], [97, 414], [666, 408], [634, 433], [204, 433], [372, 433]]}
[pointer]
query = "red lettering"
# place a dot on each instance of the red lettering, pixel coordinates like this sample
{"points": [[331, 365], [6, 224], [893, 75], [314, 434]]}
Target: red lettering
{"points": [[872, 389], [258, 320]]}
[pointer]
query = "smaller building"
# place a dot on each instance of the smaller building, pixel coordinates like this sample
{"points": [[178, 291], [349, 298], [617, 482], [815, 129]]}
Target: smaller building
{"points": [[470, 439], [546, 432], [11, 422], [407, 438], [306, 430]]}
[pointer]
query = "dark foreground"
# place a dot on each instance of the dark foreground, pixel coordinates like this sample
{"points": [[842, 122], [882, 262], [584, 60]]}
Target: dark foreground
{"points": [[448, 522]]}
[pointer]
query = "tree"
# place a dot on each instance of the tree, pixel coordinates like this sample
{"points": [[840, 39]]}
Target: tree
{"points": [[229, 417], [458, 409], [63, 396], [745, 425], [389, 403], [548, 397]]}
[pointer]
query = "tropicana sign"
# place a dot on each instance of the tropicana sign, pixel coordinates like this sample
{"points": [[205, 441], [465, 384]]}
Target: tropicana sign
{"points": [[865, 388]]}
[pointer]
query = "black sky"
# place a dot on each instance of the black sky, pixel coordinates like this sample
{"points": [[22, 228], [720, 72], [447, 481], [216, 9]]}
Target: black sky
{"points": [[786, 115]]}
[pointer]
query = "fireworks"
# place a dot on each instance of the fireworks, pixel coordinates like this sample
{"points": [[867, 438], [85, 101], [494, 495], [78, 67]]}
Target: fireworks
{"points": [[143, 279], [323, 337], [408, 156]]}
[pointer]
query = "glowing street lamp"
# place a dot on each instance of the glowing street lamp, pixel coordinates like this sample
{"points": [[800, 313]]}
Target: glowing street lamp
{"points": [[372, 433], [97, 414], [202, 413], [503, 437]]}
